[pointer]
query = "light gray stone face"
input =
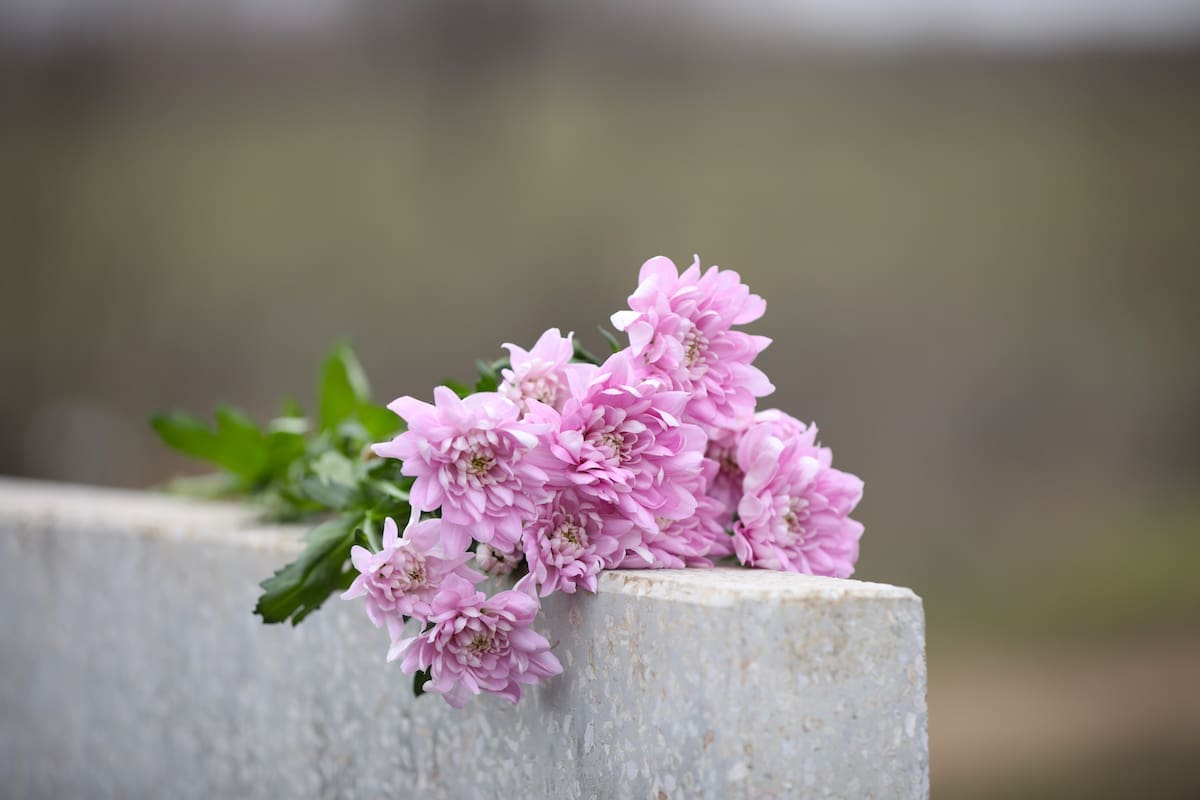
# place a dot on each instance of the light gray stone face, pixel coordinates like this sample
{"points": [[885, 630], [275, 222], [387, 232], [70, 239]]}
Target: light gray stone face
{"points": [[131, 666]]}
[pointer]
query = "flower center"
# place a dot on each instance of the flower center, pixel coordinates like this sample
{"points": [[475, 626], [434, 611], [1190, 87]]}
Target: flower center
{"points": [[406, 573], [542, 389], [481, 643], [726, 461], [796, 515], [695, 344], [615, 443], [569, 532], [481, 463]]}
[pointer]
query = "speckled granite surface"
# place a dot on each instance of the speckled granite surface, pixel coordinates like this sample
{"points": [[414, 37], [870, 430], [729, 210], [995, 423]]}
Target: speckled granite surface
{"points": [[130, 666]]}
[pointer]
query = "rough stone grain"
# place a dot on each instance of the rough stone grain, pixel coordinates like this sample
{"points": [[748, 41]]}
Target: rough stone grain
{"points": [[130, 666]]}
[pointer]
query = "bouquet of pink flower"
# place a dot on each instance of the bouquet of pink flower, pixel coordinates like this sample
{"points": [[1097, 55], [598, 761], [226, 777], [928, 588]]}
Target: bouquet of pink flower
{"points": [[555, 467]]}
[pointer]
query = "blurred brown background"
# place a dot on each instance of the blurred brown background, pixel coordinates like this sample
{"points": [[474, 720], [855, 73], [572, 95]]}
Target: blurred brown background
{"points": [[977, 233]]}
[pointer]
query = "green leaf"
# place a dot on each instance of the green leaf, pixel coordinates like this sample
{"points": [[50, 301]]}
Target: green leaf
{"points": [[336, 469], [362, 540], [245, 444], [489, 375], [344, 387], [293, 425], [290, 407], [390, 490], [420, 678], [334, 497], [284, 448], [381, 423], [583, 354], [371, 535], [237, 444], [610, 337], [302, 586], [458, 387], [188, 435]]}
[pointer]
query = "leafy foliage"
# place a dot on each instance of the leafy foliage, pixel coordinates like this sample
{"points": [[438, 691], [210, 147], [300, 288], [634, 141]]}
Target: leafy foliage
{"points": [[298, 469]]}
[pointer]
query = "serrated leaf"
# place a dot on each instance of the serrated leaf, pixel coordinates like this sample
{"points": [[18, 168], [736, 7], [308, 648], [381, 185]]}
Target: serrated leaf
{"points": [[236, 445], [188, 435], [299, 588], [344, 387], [245, 446]]}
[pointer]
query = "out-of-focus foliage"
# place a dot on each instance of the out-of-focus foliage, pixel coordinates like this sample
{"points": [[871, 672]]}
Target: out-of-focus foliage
{"points": [[294, 476]]}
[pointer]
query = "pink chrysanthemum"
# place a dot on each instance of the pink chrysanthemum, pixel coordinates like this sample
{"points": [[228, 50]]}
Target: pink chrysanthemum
{"points": [[681, 328], [497, 562], [794, 511], [571, 540], [689, 542], [480, 644], [726, 483], [619, 441], [401, 579], [540, 373], [469, 458]]}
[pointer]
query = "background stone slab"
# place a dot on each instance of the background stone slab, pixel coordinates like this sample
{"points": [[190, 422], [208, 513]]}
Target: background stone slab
{"points": [[132, 667]]}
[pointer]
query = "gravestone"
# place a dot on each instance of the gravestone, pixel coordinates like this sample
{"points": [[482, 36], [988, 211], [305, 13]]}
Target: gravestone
{"points": [[132, 667]]}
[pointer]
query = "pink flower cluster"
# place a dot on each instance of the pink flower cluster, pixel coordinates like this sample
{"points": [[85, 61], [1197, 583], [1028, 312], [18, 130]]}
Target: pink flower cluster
{"points": [[655, 458]]}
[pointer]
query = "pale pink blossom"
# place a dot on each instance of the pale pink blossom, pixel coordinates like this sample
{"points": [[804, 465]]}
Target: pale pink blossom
{"points": [[680, 328], [620, 442], [479, 644], [689, 542], [572, 539], [497, 562], [794, 511], [401, 579], [541, 373], [469, 459], [726, 483]]}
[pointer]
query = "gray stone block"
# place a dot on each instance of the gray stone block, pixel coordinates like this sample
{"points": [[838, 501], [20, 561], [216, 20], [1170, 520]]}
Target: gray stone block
{"points": [[132, 667]]}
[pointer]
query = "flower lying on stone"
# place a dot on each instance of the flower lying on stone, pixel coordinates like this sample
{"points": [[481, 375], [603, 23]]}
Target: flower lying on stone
{"points": [[402, 578], [572, 539], [541, 373], [469, 459], [554, 466], [681, 328], [794, 510], [476, 643], [654, 458]]}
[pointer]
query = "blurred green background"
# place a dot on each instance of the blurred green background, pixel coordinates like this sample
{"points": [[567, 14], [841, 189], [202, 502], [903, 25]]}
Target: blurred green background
{"points": [[980, 261]]}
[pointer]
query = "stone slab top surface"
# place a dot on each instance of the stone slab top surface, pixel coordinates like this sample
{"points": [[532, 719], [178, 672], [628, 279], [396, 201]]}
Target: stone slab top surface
{"points": [[160, 515]]}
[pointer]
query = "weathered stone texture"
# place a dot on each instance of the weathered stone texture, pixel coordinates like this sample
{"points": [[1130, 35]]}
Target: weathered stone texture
{"points": [[130, 666]]}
